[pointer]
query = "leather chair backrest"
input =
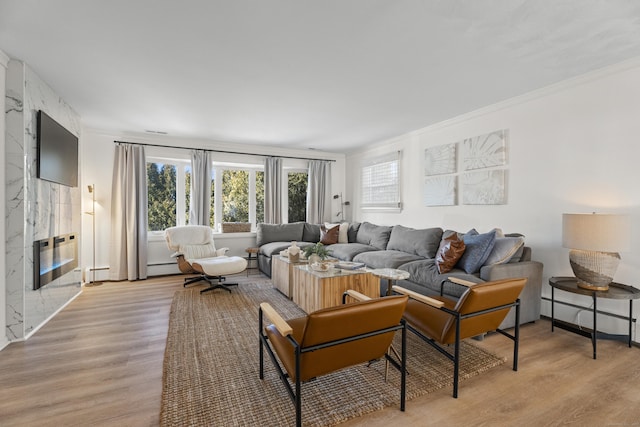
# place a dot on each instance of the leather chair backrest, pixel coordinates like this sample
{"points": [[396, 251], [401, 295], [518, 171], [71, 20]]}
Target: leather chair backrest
{"points": [[347, 321], [188, 235], [481, 297]]}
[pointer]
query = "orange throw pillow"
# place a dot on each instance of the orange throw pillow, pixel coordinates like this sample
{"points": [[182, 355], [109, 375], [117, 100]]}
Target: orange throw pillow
{"points": [[450, 251], [329, 236]]}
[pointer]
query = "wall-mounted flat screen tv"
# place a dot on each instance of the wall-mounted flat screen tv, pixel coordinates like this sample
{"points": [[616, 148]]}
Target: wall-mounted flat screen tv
{"points": [[57, 152]]}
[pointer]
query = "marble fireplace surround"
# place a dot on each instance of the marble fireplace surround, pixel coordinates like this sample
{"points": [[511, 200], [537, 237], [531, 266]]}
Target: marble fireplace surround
{"points": [[54, 257], [35, 209]]}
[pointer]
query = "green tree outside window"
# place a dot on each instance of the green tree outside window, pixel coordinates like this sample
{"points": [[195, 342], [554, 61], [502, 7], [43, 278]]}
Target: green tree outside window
{"points": [[297, 184]]}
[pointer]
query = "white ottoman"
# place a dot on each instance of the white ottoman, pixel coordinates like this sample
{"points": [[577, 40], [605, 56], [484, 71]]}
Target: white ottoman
{"points": [[215, 268]]}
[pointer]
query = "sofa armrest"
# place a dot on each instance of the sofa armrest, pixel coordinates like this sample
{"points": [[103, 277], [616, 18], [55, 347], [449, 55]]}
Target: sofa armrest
{"points": [[531, 295], [529, 269]]}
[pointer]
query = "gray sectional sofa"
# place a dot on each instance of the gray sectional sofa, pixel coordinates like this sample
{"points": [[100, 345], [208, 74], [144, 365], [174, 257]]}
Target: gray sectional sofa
{"points": [[412, 250]]}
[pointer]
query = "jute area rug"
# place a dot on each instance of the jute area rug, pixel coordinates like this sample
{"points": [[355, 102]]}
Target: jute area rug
{"points": [[211, 368]]}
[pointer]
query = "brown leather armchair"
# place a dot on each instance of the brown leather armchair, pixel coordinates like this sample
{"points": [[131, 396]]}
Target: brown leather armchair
{"points": [[482, 307], [331, 339]]}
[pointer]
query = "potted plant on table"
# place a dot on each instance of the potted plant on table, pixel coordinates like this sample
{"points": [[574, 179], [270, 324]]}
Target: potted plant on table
{"points": [[316, 253]]}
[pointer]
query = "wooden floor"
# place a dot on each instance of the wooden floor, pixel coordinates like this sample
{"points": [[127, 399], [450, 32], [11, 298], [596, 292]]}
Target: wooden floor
{"points": [[99, 362]]}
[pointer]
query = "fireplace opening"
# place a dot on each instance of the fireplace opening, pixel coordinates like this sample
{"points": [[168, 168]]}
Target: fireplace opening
{"points": [[53, 257]]}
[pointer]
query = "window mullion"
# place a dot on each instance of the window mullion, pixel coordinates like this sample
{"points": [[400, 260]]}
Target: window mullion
{"points": [[180, 194], [219, 172], [252, 197]]}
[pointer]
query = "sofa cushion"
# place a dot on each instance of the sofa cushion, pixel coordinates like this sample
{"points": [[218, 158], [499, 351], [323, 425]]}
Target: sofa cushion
{"points": [[329, 236], [311, 233], [347, 251], [274, 248], [385, 259], [425, 273], [477, 250], [504, 249], [423, 243], [268, 233], [373, 235], [450, 251]]}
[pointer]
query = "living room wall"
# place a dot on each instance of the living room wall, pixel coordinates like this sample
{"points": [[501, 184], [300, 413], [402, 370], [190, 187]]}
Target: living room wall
{"points": [[35, 209], [97, 167], [572, 148], [4, 63]]}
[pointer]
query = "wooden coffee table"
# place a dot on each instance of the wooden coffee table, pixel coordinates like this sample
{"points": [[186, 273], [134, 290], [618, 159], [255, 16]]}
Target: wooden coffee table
{"points": [[282, 273], [313, 290]]}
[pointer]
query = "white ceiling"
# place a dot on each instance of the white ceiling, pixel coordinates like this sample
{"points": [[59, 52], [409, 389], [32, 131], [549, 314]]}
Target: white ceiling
{"points": [[326, 74]]}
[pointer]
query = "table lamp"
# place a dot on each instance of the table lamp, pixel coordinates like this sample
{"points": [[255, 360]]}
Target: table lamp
{"points": [[594, 241]]}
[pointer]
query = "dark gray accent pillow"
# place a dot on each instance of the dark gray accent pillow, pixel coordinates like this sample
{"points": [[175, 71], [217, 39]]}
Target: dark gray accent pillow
{"points": [[477, 250], [374, 235], [424, 242], [311, 233], [352, 232], [268, 233]]}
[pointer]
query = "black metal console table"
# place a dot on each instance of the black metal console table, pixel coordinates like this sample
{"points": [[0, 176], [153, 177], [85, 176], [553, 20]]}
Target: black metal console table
{"points": [[615, 291]]}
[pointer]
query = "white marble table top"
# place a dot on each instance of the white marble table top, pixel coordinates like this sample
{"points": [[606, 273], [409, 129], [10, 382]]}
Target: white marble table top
{"points": [[390, 273]]}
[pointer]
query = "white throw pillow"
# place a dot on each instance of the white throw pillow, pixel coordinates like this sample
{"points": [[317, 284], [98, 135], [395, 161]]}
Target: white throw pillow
{"points": [[342, 234], [504, 249]]}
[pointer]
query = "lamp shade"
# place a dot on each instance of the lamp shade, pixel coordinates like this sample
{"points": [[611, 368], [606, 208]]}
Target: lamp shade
{"points": [[596, 232]]}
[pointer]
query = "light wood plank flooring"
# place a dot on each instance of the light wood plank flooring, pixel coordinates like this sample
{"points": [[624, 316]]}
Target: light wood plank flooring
{"points": [[99, 362]]}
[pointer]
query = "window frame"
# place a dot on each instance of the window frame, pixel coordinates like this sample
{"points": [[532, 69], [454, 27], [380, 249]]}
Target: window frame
{"points": [[369, 165], [181, 167], [181, 163], [218, 171], [285, 190]]}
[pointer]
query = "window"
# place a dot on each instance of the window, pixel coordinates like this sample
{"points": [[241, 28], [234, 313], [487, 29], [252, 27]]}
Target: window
{"points": [[161, 188], [236, 196], [380, 181], [187, 193], [212, 208], [259, 191], [297, 196], [168, 199]]}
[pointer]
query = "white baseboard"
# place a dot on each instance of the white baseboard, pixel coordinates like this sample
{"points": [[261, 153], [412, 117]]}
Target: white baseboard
{"points": [[102, 273], [163, 269], [34, 330]]}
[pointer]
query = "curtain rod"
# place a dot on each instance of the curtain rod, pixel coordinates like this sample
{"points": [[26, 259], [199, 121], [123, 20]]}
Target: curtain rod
{"points": [[219, 151]]}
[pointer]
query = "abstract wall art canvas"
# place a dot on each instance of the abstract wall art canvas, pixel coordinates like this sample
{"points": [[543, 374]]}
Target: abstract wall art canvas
{"points": [[440, 191], [484, 187], [485, 151], [440, 159]]}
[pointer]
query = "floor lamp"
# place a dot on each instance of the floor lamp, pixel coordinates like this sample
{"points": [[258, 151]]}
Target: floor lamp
{"points": [[92, 190]]}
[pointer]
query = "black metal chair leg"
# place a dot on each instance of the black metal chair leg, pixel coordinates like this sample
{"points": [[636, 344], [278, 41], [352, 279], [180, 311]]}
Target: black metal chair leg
{"points": [[190, 280], [216, 282], [220, 286]]}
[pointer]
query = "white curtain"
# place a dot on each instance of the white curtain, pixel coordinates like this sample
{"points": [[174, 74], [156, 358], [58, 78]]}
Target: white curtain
{"points": [[200, 198], [273, 179], [319, 183], [128, 254]]}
